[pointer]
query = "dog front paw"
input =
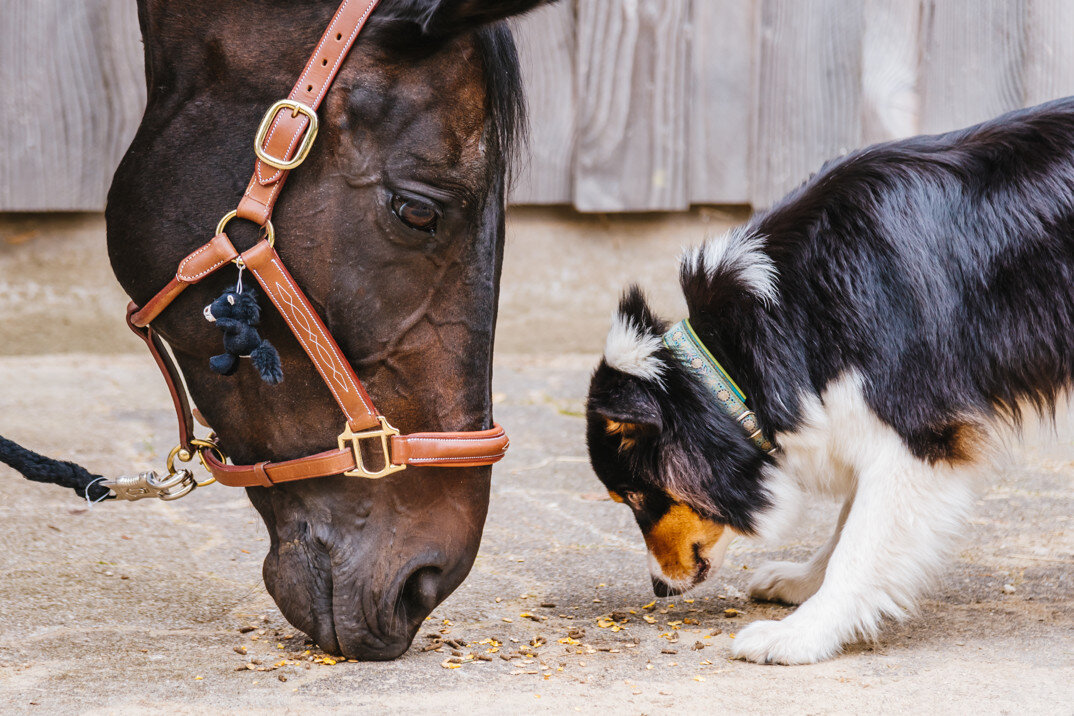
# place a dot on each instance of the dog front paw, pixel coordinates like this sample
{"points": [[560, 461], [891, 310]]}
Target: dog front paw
{"points": [[784, 642], [786, 582]]}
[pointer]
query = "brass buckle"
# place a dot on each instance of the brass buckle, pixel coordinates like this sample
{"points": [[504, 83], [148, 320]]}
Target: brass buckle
{"points": [[384, 433], [296, 108]]}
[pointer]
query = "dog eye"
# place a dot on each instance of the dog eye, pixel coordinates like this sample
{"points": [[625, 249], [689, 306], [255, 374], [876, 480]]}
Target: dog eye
{"points": [[416, 213], [231, 300], [634, 499]]}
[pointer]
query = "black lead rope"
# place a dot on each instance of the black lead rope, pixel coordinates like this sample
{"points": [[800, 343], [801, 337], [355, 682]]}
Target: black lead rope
{"points": [[55, 472]]}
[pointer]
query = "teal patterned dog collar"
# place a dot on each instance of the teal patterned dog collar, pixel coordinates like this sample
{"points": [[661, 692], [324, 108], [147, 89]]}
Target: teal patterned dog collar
{"points": [[696, 358]]}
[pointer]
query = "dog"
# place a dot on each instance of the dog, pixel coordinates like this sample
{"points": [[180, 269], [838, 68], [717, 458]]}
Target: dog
{"points": [[872, 337]]}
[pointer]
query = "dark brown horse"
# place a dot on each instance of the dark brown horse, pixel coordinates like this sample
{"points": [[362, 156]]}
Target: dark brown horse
{"points": [[394, 227]]}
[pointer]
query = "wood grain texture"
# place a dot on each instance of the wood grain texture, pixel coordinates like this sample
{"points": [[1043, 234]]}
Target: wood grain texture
{"points": [[631, 105], [1048, 72], [546, 46], [720, 101], [890, 102], [636, 105], [807, 89], [71, 74], [971, 61]]}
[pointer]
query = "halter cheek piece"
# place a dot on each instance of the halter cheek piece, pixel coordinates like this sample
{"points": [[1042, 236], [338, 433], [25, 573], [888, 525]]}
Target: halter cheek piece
{"points": [[283, 140]]}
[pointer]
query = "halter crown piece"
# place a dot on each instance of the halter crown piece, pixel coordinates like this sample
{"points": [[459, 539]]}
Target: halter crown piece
{"points": [[692, 354], [368, 446]]}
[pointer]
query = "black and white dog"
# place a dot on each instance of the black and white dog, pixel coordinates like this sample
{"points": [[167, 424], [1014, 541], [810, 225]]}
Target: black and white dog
{"points": [[886, 322]]}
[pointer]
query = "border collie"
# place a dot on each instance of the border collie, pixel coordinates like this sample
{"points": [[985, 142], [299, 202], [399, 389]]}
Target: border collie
{"points": [[881, 326]]}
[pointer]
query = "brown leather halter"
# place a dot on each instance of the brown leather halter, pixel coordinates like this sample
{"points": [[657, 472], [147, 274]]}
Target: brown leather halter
{"points": [[283, 140]]}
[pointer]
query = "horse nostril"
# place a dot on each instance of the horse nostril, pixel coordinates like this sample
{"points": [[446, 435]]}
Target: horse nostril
{"points": [[420, 592]]}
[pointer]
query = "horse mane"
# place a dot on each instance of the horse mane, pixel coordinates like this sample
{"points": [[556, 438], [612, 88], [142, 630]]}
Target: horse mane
{"points": [[506, 131]]}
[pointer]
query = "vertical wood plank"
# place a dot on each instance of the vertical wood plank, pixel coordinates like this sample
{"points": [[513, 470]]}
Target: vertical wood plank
{"points": [[636, 105], [631, 105], [73, 95], [808, 90], [1049, 51], [890, 103], [972, 61], [546, 46], [719, 101]]}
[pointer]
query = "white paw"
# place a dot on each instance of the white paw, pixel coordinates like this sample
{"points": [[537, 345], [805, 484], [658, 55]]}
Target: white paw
{"points": [[787, 582], [785, 642]]}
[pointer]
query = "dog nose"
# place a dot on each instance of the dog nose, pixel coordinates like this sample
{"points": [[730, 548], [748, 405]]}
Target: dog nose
{"points": [[663, 589]]}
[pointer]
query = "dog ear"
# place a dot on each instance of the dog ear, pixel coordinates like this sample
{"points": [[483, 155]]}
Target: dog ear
{"points": [[626, 403], [728, 273], [439, 18], [633, 345], [634, 307]]}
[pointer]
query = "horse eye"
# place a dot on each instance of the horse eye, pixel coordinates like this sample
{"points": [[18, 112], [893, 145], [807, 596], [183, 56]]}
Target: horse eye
{"points": [[415, 213]]}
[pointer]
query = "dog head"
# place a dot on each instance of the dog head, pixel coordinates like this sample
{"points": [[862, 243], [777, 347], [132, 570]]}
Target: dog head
{"points": [[661, 445]]}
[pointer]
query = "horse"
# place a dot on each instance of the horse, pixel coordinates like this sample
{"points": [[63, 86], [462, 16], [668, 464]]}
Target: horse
{"points": [[394, 228]]}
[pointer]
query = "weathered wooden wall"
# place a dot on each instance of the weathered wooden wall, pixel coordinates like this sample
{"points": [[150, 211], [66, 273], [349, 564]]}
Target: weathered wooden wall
{"points": [[680, 102], [636, 105], [71, 93]]}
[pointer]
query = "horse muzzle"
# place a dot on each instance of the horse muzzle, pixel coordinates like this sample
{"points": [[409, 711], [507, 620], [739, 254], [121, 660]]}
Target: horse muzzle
{"points": [[358, 576], [353, 609]]}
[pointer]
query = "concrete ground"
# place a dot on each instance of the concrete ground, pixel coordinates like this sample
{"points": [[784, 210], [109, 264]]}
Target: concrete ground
{"points": [[144, 607]]}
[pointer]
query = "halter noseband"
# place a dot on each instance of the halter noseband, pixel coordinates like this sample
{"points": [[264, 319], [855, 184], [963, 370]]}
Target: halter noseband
{"points": [[283, 140]]}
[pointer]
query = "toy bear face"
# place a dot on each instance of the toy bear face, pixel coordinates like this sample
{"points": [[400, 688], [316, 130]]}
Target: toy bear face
{"points": [[232, 304]]}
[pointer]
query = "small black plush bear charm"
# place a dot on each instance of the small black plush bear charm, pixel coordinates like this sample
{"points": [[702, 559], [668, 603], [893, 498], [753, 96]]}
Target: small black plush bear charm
{"points": [[236, 313]]}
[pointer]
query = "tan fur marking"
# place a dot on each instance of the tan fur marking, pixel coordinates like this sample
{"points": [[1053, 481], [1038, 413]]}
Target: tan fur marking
{"points": [[616, 497], [957, 444], [671, 540], [965, 444], [625, 431]]}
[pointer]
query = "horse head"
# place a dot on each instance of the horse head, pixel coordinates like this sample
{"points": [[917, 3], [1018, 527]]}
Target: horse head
{"points": [[394, 228]]}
